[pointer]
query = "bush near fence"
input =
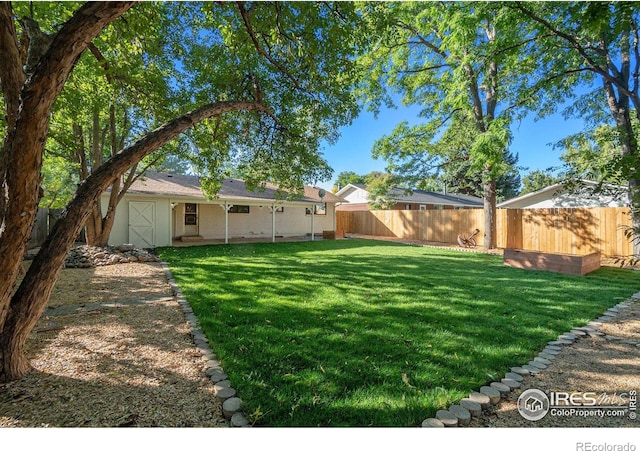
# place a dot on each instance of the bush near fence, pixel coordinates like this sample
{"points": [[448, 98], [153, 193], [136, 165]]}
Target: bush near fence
{"points": [[579, 231]]}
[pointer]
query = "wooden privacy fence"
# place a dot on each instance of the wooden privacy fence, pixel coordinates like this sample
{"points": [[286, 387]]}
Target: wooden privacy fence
{"points": [[562, 230], [45, 219]]}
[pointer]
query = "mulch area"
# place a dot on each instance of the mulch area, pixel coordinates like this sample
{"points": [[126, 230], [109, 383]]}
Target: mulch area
{"points": [[125, 364]]}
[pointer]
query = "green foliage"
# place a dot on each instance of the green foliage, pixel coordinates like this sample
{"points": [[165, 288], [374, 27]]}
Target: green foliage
{"points": [[595, 155], [358, 333], [347, 177], [305, 80], [59, 180], [164, 59], [578, 43], [536, 180], [457, 176], [378, 187], [461, 62]]}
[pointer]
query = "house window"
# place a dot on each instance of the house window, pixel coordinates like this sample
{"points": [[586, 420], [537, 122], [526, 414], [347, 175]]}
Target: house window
{"points": [[439, 207], [407, 206], [239, 209], [318, 210], [190, 214], [423, 207]]}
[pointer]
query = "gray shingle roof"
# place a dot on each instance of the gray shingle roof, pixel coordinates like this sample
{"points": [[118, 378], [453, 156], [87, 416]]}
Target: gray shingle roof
{"points": [[430, 197], [161, 184]]}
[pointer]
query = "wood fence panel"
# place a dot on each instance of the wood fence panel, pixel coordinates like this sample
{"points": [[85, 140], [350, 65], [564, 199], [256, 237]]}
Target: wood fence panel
{"points": [[578, 231], [40, 228]]}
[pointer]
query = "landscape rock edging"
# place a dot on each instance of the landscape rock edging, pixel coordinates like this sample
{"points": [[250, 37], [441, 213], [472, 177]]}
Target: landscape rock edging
{"points": [[91, 256], [231, 404], [544, 359]]}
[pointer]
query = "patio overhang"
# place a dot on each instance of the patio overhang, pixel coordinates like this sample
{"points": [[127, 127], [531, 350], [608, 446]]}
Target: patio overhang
{"points": [[272, 204]]}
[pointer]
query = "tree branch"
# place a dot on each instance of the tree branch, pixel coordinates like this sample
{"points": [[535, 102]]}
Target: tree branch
{"points": [[102, 61], [423, 69], [29, 301], [594, 66], [422, 40], [21, 155], [261, 51], [12, 76], [636, 69]]}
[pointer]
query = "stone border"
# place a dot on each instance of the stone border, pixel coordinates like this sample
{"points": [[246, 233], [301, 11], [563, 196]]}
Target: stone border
{"points": [[460, 414], [231, 404]]}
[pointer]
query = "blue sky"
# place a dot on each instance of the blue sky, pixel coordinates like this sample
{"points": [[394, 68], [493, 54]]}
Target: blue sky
{"points": [[532, 141]]}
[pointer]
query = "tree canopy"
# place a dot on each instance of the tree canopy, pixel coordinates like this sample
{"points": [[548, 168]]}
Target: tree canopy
{"points": [[461, 62], [579, 43], [259, 84]]}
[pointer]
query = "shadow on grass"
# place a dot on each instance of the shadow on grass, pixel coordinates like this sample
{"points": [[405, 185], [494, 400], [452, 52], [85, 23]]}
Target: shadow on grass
{"points": [[364, 333]]}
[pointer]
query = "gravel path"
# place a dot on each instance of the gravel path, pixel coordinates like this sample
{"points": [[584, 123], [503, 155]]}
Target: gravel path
{"points": [[116, 351]]}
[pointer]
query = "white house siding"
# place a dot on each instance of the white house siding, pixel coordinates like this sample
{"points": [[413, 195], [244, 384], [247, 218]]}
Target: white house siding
{"points": [[258, 222], [169, 222], [567, 200], [162, 219], [356, 196]]}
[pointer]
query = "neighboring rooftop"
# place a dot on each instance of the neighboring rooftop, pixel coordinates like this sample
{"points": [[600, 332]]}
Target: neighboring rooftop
{"points": [[162, 184], [422, 197], [582, 196]]}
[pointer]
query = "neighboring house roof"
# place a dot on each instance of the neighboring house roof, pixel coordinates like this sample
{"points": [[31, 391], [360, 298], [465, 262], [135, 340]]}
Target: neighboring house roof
{"points": [[161, 184], [418, 196], [558, 196]]}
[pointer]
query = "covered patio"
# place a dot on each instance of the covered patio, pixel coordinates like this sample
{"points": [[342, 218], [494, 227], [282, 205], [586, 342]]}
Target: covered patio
{"points": [[288, 239]]}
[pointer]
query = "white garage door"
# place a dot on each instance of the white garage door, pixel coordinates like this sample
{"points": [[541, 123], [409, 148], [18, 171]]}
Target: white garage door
{"points": [[141, 224]]}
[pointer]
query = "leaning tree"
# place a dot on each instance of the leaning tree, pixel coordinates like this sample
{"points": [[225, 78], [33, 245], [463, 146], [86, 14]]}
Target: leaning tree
{"points": [[263, 84]]}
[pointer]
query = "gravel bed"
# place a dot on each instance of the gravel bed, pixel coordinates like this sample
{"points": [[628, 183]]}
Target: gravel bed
{"points": [[127, 366]]}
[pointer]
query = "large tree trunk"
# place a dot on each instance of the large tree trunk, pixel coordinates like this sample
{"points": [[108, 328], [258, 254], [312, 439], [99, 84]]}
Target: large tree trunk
{"points": [[28, 104], [98, 228], [93, 226], [31, 298], [489, 188], [28, 107]]}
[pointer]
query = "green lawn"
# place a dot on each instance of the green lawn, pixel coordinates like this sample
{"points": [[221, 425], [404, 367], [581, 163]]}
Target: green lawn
{"points": [[368, 333]]}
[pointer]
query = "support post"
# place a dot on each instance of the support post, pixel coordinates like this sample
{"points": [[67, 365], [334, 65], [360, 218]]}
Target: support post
{"points": [[273, 222], [226, 207], [313, 215]]}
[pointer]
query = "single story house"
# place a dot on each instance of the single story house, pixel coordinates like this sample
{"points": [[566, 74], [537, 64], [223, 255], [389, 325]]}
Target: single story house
{"points": [[161, 208], [358, 199], [559, 195]]}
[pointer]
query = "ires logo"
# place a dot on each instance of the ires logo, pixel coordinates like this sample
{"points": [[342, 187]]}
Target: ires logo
{"points": [[534, 404], [562, 399]]}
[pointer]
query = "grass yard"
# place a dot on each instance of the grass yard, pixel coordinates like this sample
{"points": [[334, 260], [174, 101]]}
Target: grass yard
{"points": [[370, 333]]}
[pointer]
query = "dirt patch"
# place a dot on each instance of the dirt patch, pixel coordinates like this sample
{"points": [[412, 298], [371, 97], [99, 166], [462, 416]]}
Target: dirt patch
{"points": [[130, 365]]}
